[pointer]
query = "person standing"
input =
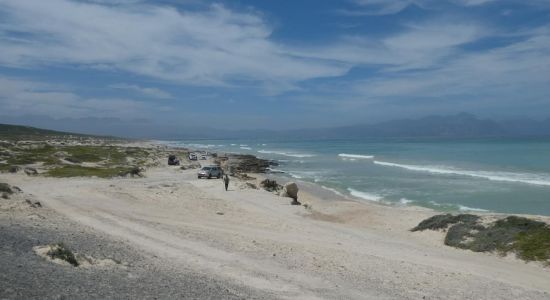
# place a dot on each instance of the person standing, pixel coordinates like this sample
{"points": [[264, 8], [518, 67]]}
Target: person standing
{"points": [[226, 181]]}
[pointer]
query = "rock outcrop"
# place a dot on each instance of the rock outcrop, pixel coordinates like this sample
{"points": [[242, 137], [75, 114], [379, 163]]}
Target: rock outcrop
{"points": [[245, 163], [291, 190]]}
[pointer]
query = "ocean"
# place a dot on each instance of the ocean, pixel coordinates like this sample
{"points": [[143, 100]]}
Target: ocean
{"points": [[494, 175]]}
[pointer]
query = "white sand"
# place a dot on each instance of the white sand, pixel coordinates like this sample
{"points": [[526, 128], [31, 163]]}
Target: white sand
{"points": [[336, 250]]}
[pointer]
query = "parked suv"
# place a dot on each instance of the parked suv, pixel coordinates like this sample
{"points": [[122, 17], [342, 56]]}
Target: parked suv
{"points": [[210, 171]]}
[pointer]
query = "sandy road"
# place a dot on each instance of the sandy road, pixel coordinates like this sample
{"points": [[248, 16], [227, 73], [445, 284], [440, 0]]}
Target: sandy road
{"points": [[257, 239]]}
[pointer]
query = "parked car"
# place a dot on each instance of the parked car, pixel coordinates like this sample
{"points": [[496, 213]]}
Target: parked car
{"points": [[173, 160], [209, 172], [192, 156]]}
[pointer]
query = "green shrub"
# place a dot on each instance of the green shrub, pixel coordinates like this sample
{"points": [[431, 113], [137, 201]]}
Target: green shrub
{"points": [[534, 244], [60, 252], [80, 171], [443, 221], [529, 239]]}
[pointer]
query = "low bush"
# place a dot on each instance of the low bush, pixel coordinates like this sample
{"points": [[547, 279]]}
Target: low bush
{"points": [[443, 221], [58, 251], [80, 171], [270, 185], [529, 239]]}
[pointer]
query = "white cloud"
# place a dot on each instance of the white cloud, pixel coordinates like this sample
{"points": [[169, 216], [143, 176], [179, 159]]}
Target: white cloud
{"points": [[422, 45], [22, 97], [216, 46], [390, 7], [144, 91], [473, 2]]}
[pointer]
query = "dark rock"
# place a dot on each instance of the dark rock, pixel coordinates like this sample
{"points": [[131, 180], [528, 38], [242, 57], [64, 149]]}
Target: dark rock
{"points": [[5, 188], [135, 171], [245, 163], [30, 171], [243, 176], [33, 203], [290, 190], [270, 185], [72, 160], [251, 185]]}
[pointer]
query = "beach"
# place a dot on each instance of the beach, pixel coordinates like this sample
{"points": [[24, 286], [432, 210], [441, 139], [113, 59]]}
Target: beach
{"points": [[174, 235]]}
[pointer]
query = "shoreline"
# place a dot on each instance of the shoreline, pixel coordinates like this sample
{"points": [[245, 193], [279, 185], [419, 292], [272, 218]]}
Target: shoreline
{"points": [[248, 242], [284, 176], [437, 202]]}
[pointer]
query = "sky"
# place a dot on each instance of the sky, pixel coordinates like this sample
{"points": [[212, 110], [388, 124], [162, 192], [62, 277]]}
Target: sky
{"points": [[272, 64]]}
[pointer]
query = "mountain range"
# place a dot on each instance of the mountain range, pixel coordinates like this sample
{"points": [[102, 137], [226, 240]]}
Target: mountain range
{"points": [[462, 125]]}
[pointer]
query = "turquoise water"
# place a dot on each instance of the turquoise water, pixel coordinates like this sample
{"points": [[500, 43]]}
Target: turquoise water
{"points": [[511, 176]]}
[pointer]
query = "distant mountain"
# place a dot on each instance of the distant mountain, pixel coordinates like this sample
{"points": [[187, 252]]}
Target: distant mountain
{"points": [[462, 125], [17, 132]]}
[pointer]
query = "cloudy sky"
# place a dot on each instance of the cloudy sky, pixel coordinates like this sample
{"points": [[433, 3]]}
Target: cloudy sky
{"points": [[273, 63]]}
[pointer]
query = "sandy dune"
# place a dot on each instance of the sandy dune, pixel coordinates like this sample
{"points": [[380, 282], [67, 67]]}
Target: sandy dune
{"points": [[337, 249]]}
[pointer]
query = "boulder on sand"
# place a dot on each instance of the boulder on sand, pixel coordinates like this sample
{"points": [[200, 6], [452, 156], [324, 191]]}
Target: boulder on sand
{"points": [[30, 171], [291, 190]]}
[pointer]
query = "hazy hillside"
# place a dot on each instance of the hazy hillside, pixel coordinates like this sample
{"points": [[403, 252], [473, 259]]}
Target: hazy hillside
{"points": [[17, 132], [461, 125]]}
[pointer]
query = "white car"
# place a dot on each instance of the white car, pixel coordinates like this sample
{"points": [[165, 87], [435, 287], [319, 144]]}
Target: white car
{"points": [[209, 172]]}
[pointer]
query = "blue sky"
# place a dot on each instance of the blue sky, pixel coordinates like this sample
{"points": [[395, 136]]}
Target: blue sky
{"points": [[273, 64]]}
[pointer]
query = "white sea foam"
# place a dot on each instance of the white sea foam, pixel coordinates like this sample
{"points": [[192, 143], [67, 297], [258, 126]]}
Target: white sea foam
{"points": [[466, 208], [535, 179], [245, 148], [295, 175], [364, 195], [405, 201], [290, 154], [352, 156], [273, 170], [315, 175], [200, 146], [332, 190]]}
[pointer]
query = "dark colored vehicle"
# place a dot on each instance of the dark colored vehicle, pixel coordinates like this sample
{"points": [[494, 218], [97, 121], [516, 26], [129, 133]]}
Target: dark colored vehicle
{"points": [[209, 172], [173, 160]]}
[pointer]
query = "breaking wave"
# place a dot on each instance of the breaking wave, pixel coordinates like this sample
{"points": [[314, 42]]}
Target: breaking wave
{"points": [[290, 154], [364, 195], [359, 156], [494, 176]]}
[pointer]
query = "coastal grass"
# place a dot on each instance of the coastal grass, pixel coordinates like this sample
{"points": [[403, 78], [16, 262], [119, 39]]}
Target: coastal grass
{"points": [[95, 154], [31, 155], [4, 168], [59, 251], [80, 171], [528, 239]]}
